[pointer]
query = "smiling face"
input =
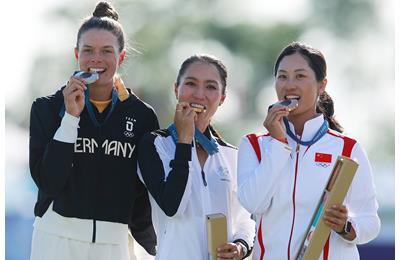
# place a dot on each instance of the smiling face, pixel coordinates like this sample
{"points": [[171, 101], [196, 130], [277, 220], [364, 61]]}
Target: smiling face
{"points": [[296, 80], [98, 51], [201, 86]]}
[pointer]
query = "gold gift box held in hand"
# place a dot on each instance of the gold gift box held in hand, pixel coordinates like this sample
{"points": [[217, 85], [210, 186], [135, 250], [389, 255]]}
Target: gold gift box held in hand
{"points": [[334, 193], [216, 233]]}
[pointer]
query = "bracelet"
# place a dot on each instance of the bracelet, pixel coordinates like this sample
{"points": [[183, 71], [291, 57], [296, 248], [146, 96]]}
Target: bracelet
{"points": [[245, 247], [346, 229]]}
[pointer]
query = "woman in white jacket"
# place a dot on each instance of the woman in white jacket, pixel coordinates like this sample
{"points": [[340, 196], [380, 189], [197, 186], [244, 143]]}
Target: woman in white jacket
{"points": [[282, 174], [190, 172]]}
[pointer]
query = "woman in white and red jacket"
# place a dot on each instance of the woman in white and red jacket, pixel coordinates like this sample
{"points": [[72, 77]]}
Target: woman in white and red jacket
{"points": [[282, 174]]}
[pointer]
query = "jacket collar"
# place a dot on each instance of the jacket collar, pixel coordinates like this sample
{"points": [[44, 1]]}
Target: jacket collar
{"points": [[311, 127]]}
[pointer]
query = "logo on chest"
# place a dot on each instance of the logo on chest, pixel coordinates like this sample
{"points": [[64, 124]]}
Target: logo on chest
{"points": [[223, 173], [323, 159], [129, 125]]}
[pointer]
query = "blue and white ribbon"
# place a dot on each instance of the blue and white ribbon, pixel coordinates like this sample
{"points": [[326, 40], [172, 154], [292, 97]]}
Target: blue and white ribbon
{"points": [[210, 146]]}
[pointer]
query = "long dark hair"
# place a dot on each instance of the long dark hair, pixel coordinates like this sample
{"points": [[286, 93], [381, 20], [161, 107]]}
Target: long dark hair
{"points": [[104, 17], [317, 63]]}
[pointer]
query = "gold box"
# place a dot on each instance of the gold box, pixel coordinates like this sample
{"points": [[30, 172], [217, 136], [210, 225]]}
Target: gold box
{"points": [[217, 233], [334, 193]]}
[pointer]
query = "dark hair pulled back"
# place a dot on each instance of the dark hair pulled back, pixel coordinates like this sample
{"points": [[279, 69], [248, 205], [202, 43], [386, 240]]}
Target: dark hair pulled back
{"points": [[104, 17], [317, 63], [207, 59]]}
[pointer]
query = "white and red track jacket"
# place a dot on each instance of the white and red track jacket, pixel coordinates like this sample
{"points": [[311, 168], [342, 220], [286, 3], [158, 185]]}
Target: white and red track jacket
{"points": [[283, 187]]}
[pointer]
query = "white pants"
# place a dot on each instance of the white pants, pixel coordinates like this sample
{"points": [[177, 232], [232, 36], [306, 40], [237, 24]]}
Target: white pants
{"points": [[51, 247], [59, 238]]}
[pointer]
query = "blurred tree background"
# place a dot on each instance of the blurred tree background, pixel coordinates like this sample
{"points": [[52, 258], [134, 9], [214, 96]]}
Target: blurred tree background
{"points": [[356, 36]]}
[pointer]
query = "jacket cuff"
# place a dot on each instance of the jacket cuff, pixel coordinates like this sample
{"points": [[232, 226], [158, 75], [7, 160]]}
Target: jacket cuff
{"points": [[356, 239], [68, 130], [183, 152], [244, 243]]}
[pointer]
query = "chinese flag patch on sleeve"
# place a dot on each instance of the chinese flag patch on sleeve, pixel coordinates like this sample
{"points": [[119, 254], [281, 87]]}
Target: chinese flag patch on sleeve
{"points": [[323, 157]]}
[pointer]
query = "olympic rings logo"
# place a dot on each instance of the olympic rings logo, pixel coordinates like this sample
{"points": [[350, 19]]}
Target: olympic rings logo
{"points": [[129, 134], [323, 165]]}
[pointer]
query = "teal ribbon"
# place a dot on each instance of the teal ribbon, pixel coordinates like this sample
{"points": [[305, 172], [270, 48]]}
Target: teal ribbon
{"points": [[209, 145]]}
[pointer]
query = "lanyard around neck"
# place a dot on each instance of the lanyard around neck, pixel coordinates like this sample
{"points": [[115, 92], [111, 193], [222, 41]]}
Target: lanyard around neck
{"points": [[321, 132], [90, 109], [209, 145], [89, 106]]}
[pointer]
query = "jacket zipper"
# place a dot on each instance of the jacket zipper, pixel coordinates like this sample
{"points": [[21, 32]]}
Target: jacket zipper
{"points": [[95, 184], [204, 178], [294, 199], [94, 232]]}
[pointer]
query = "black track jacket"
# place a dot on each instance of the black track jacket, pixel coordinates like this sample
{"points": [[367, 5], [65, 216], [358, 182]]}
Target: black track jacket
{"points": [[95, 178]]}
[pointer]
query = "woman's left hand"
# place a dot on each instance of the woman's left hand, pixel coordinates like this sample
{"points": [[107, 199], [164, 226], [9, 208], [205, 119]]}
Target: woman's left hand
{"points": [[230, 251], [335, 217]]}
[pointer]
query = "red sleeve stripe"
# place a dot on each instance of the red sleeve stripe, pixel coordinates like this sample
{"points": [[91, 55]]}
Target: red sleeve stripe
{"points": [[326, 248], [348, 142], [260, 240], [253, 139], [348, 146], [347, 149]]}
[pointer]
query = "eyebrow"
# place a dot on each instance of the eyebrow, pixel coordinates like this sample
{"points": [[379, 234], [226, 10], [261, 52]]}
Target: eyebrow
{"points": [[103, 47], [208, 81], [212, 81], [297, 70]]}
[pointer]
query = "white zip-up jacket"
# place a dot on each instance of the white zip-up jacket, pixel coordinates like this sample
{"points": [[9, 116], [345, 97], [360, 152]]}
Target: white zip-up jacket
{"points": [[182, 194], [283, 189]]}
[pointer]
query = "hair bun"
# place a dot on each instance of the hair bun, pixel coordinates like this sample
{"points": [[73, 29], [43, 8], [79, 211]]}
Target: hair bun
{"points": [[104, 9]]}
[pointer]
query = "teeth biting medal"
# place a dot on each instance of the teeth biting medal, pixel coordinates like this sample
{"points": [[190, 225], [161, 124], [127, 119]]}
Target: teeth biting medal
{"points": [[89, 77], [291, 104], [198, 108]]}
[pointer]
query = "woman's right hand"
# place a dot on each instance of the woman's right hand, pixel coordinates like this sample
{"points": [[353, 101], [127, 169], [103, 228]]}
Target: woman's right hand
{"points": [[274, 121], [184, 122], [74, 96]]}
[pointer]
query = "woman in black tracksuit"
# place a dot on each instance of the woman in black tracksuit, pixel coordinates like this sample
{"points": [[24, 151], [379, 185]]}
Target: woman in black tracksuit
{"points": [[83, 156]]}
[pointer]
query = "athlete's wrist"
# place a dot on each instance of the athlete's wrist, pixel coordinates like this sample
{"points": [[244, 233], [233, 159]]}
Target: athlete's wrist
{"points": [[244, 249]]}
